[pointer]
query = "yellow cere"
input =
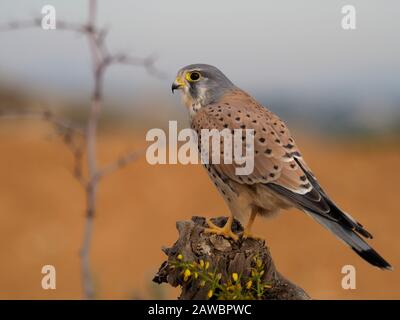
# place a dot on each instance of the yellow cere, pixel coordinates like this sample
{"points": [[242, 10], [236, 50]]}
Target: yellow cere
{"points": [[179, 81]]}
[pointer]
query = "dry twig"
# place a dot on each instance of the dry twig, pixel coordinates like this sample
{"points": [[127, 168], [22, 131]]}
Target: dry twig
{"points": [[101, 60]]}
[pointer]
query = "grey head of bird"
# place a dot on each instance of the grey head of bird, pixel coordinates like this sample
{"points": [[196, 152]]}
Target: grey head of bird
{"points": [[201, 84]]}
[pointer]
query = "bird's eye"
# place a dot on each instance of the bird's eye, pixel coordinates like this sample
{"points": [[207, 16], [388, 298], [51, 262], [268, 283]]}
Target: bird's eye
{"points": [[193, 76]]}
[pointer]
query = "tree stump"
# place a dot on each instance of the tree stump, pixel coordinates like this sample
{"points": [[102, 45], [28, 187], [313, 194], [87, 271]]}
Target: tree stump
{"points": [[224, 255]]}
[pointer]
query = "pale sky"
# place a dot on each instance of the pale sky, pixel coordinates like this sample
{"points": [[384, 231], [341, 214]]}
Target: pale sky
{"points": [[278, 48]]}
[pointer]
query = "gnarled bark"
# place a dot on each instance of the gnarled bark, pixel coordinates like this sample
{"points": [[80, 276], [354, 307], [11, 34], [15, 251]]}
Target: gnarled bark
{"points": [[227, 256]]}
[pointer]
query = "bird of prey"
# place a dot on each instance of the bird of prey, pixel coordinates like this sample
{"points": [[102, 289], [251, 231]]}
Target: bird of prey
{"points": [[281, 178]]}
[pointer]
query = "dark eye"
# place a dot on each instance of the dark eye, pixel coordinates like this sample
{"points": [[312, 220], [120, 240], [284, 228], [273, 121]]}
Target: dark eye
{"points": [[194, 76]]}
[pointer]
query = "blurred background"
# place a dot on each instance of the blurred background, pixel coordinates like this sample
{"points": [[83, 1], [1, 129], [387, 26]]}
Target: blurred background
{"points": [[337, 89]]}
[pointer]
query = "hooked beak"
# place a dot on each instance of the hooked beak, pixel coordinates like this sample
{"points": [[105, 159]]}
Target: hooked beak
{"points": [[178, 83]]}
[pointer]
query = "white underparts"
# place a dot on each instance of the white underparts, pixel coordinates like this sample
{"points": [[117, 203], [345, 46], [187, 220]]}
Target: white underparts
{"points": [[193, 108]]}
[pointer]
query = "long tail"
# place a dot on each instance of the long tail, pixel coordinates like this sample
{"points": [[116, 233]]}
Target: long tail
{"points": [[343, 226], [352, 239], [320, 207]]}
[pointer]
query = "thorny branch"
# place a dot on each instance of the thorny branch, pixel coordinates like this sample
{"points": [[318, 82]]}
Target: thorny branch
{"points": [[101, 60], [66, 129], [60, 123]]}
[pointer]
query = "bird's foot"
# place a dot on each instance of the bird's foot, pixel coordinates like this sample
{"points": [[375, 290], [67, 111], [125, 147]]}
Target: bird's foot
{"points": [[225, 231], [248, 235]]}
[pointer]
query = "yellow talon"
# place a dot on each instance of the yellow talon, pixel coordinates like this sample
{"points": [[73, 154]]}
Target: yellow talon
{"points": [[247, 233], [225, 231]]}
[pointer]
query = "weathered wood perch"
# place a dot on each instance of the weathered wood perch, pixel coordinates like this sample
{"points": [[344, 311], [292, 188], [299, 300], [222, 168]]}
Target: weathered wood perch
{"points": [[227, 256]]}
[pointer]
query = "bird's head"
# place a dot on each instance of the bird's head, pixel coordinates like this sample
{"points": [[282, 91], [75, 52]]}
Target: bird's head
{"points": [[201, 84]]}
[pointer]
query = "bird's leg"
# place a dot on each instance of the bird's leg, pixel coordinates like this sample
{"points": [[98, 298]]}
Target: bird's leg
{"points": [[225, 231], [247, 229]]}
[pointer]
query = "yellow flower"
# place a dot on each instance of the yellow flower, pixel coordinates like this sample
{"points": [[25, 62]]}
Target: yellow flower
{"points": [[207, 265], [186, 275], [202, 283], [210, 294], [249, 284], [180, 257], [235, 276], [196, 275], [201, 263]]}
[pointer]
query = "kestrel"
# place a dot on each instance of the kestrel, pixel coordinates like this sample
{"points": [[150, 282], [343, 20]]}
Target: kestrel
{"points": [[281, 179]]}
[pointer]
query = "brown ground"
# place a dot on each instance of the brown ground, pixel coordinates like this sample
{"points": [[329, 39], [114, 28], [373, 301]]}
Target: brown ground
{"points": [[41, 218]]}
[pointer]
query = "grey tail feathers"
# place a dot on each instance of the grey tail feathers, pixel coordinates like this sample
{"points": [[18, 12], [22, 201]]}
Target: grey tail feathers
{"points": [[320, 207], [352, 239]]}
